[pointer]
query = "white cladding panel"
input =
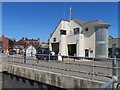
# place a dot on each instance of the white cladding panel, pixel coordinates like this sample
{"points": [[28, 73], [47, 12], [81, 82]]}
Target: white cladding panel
{"points": [[89, 40], [30, 51], [72, 39]]}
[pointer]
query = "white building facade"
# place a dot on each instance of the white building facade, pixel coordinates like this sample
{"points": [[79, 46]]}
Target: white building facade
{"points": [[80, 38], [31, 51]]}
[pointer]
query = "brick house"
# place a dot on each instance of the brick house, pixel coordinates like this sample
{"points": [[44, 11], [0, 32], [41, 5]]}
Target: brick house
{"points": [[24, 43], [6, 43]]}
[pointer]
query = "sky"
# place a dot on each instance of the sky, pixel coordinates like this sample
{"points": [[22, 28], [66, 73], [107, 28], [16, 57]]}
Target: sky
{"points": [[39, 19], [0, 18]]}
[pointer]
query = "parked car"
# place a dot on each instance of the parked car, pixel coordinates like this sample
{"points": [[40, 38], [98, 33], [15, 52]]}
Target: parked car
{"points": [[46, 55], [12, 52]]}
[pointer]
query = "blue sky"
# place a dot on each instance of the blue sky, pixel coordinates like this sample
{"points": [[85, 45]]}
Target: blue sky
{"points": [[0, 18], [38, 20]]}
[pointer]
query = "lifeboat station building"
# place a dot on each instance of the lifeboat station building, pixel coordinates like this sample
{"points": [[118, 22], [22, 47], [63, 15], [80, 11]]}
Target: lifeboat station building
{"points": [[80, 38]]}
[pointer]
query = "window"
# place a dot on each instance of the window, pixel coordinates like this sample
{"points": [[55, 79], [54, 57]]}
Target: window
{"points": [[91, 51], [86, 29], [62, 32], [76, 30], [101, 35], [54, 39]]}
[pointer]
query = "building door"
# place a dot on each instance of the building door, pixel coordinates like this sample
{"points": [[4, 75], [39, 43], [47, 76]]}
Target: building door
{"points": [[55, 47], [71, 49], [86, 53]]}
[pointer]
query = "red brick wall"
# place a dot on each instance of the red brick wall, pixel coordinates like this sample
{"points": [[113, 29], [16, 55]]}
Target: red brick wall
{"points": [[5, 43]]}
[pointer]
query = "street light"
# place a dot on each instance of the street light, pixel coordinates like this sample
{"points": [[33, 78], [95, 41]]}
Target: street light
{"points": [[24, 53]]}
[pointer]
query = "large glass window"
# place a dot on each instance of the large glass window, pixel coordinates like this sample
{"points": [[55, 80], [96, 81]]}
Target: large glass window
{"points": [[101, 35], [76, 30], [62, 32], [101, 49], [101, 41]]}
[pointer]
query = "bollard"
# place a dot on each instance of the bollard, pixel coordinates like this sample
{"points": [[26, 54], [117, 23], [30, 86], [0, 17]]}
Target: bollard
{"points": [[37, 60]]}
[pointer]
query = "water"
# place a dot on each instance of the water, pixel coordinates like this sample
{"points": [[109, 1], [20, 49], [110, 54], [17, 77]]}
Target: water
{"points": [[10, 81]]}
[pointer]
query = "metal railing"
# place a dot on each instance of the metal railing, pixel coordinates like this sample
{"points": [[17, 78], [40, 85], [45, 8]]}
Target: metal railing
{"points": [[68, 62], [115, 76], [101, 69], [33, 62], [109, 83]]}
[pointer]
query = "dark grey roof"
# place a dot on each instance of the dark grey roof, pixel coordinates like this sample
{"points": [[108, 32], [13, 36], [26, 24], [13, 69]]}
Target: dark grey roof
{"points": [[97, 22], [80, 22]]}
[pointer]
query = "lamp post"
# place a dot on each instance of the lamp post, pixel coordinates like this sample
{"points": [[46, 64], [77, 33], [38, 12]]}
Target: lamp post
{"points": [[24, 53]]}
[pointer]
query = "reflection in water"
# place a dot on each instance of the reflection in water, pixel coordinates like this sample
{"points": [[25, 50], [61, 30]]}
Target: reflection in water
{"points": [[12, 81]]}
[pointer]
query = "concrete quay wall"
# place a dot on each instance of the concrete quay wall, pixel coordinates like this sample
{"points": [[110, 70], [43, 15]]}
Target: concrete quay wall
{"points": [[51, 78]]}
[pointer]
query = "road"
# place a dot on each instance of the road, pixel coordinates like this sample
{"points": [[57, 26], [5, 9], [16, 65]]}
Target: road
{"points": [[78, 68]]}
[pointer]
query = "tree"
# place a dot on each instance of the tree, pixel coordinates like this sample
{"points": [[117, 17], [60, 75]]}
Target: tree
{"points": [[38, 48]]}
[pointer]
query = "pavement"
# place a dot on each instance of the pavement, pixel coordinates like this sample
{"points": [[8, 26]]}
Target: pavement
{"points": [[78, 68]]}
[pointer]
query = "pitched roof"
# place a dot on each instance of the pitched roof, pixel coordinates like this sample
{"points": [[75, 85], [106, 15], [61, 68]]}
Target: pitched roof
{"points": [[80, 22], [32, 39], [10, 39], [32, 44], [98, 22], [56, 27], [21, 42]]}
